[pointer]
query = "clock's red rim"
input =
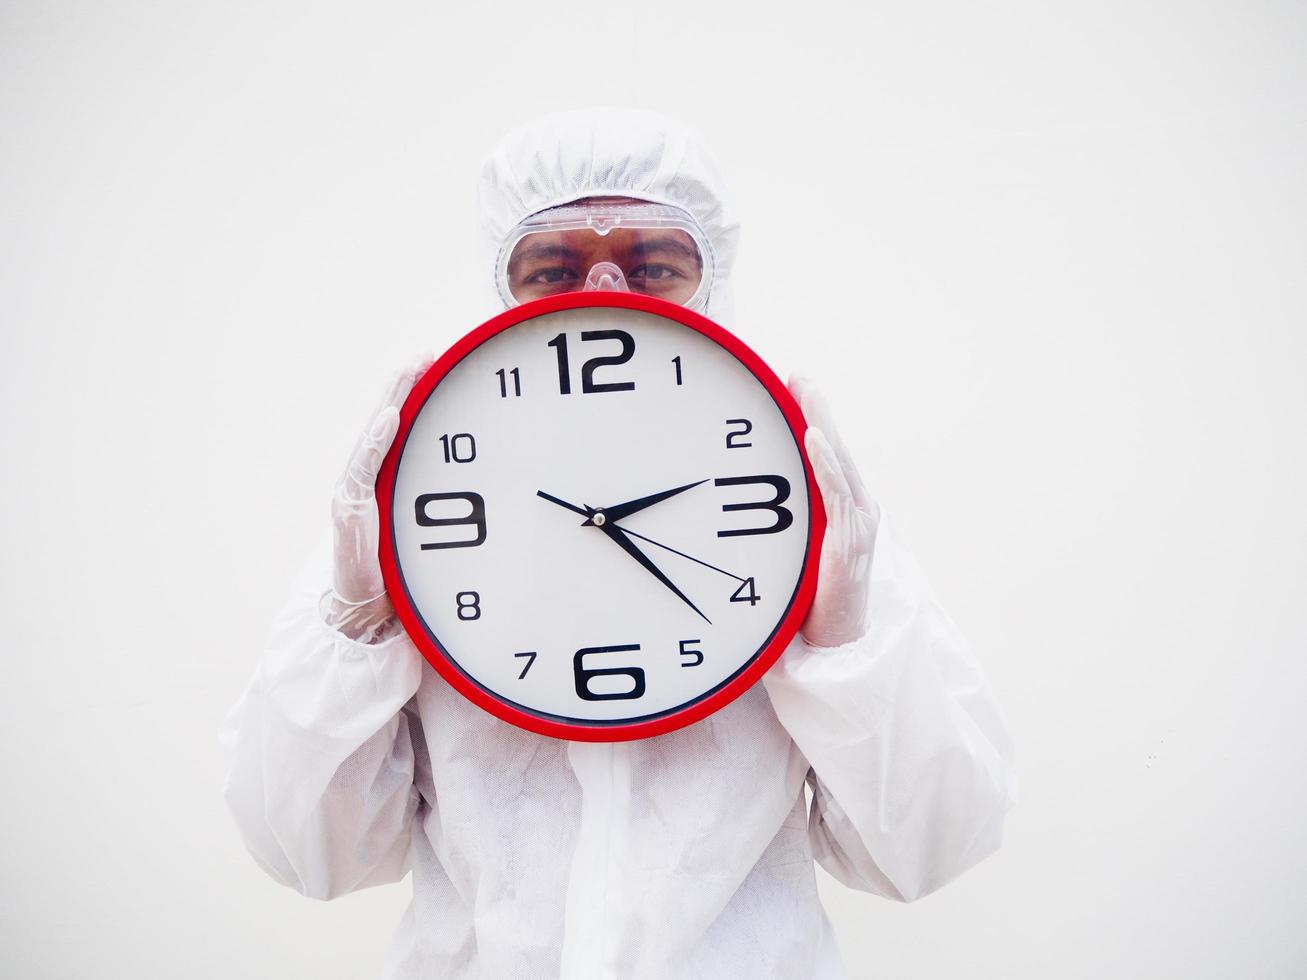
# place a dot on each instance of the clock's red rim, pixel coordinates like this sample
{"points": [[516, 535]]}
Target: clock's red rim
{"points": [[578, 731]]}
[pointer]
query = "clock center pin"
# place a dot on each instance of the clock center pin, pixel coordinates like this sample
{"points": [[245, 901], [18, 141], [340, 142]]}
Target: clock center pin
{"points": [[598, 518]]}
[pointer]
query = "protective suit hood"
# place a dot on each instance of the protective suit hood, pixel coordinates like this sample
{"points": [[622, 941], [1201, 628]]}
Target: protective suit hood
{"points": [[568, 156]]}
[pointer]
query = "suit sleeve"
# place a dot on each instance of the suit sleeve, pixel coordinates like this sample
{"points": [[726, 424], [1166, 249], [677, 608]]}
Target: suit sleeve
{"points": [[321, 750], [910, 757]]}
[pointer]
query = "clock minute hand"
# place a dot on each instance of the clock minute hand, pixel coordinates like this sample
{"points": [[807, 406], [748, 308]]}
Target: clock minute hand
{"points": [[626, 509], [627, 545]]}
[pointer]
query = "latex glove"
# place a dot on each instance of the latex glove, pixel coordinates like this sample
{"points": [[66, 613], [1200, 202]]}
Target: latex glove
{"points": [[839, 609], [358, 605]]}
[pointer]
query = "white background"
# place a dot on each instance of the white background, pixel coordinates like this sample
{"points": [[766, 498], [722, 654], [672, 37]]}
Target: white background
{"points": [[1046, 259]]}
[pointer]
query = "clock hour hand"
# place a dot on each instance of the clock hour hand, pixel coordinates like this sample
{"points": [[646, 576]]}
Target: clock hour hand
{"points": [[618, 511], [627, 545], [584, 512]]}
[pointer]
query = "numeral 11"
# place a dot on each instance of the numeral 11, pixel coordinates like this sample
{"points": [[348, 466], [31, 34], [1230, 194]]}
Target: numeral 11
{"points": [[503, 383]]}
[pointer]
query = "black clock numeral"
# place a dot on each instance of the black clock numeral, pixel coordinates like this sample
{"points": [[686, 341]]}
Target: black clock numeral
{"points": [[503, 382], [752, 598], [475, 518], [737, 433], [691, 653], [585, 675], [781, 486], [677, 361], [469, 605], [559, 344], [528, 653], [452, 452], [588, 384]]}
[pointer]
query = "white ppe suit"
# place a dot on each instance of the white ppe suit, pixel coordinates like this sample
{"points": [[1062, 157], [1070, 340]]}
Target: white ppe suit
{"points": [[685, 855]]}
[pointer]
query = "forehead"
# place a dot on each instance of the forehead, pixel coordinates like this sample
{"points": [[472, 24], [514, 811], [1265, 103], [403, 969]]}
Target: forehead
{"points": [[610, 200]]}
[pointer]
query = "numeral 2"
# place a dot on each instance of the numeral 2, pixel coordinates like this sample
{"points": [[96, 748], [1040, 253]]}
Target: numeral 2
{"points": [[738, 433]]}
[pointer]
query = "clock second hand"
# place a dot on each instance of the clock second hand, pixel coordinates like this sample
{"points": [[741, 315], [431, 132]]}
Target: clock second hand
{"points": [[637, 534]]}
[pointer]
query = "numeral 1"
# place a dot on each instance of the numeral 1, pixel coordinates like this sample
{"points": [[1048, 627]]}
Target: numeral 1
{"points": [[559, 344], [677, 361]]}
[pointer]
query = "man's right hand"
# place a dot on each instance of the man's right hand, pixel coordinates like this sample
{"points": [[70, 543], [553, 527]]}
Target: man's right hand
{"points": [[359, 606]]}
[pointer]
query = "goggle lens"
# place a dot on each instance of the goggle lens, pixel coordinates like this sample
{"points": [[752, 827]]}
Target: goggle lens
{"points": [[661, 262]]}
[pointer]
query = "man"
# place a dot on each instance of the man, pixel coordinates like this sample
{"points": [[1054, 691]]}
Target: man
{"points": [[685, 855]]}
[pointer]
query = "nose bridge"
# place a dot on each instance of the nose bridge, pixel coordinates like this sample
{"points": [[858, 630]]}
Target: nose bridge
{"points": [[605, 276]]}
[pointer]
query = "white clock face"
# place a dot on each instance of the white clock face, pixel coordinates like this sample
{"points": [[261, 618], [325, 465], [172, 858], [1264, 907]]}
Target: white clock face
{"points": [[599, 517]]}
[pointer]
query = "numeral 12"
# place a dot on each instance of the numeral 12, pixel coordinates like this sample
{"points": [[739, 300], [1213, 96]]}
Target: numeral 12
{"points": [[588, 384]]}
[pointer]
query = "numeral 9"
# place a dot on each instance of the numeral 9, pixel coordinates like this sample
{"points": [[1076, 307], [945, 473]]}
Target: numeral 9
{"points": [[475, 518]]}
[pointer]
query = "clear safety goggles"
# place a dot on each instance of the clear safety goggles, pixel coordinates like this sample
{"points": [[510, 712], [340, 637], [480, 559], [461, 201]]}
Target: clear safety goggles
{"points": [[626, 246]]}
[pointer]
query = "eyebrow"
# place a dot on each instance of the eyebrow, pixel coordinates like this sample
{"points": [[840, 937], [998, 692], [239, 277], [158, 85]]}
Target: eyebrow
{"points": [[539, 251], [671, 245]]}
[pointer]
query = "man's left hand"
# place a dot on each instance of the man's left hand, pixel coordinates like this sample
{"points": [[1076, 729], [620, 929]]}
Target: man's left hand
{"points": [[839, 609]]}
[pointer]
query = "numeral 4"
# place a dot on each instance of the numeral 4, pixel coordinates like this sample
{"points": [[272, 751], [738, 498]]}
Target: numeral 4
{"points": [[752, 598]]}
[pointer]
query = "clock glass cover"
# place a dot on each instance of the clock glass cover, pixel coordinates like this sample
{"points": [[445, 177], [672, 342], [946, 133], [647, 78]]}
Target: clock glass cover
{"points": [[598, 521]]}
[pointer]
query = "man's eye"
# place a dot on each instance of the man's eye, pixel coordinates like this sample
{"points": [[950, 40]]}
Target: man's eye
{"points": [[654, 273], [550, 276]]}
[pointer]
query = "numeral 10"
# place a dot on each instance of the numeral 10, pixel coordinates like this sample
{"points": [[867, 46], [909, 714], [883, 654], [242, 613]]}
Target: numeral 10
{"points": [[461, 447]]}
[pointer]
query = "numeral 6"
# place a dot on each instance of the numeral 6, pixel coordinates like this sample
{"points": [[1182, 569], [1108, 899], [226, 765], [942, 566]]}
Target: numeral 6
{"points": [[586, 675]]}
